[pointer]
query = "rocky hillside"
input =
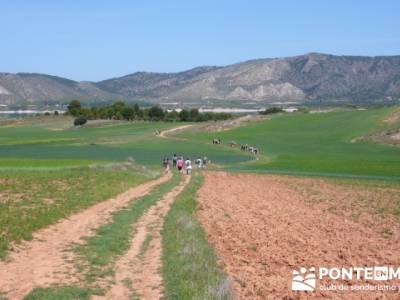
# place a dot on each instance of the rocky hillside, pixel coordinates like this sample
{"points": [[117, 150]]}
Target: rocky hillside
{"points": [[39, 88], [305, 78]]}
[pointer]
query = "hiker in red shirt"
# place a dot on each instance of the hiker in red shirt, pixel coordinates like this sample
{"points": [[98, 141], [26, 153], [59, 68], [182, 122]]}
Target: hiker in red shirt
{"points": [[179, 164]]}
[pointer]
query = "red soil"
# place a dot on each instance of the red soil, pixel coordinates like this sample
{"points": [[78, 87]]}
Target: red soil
{"points": [[263, 227]]}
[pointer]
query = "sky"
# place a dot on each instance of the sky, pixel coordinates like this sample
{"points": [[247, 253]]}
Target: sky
{"points": [[96, 40]]}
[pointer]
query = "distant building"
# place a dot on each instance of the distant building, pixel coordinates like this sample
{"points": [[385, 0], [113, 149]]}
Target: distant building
{"points": [[290, 109]]}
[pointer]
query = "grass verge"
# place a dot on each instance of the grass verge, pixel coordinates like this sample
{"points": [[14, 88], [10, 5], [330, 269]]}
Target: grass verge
{"points": [[31, 200], [61, 293], [190, 269]]}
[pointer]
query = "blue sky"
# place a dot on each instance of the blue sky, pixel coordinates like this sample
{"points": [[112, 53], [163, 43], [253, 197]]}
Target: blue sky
{"points": [[95, 40]]}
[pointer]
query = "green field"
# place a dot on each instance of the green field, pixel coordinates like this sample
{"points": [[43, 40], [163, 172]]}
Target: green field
{"points": [[316, 144], [300, 143], [50, 169], [61, 145], [36, 152]]}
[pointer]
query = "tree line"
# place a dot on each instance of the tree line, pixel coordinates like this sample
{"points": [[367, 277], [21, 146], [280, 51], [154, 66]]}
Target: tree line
{"points": [[123, 111]]}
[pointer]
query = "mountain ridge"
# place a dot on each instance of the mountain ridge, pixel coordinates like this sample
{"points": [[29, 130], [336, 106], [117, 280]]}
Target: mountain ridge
{"points": [[304, 78]]}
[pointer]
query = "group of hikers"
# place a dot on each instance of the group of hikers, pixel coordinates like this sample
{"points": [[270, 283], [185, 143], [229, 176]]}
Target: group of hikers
{"points": [[182, 164], [251, 149], [217, 141], [243, 147]]}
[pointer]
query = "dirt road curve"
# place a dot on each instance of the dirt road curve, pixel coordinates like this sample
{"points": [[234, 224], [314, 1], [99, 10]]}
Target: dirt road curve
{"points": [[164, 134], [139, 269], [42, 262], [264, 227]]}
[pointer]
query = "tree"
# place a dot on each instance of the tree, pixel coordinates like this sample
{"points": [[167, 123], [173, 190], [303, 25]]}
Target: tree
{"points": [[128, 113], [118, 116], [87, 113], [201, 118], [74, 108], [271, 110], [136, 108], [139, 114], [156, 113], [56, 113], [171, 116], [193, 114], [119, 106], [184, 115], [79, 121], [94, 112]]}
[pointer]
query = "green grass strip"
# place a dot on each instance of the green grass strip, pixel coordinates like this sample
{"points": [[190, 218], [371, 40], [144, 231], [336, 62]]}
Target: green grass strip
{"points": [[113, 239], [60, 293], [190, 267]]}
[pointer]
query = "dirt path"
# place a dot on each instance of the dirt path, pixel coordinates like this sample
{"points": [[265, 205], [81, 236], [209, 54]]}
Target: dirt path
{"points": [[138, 271], [42, 261], [164, 134], [226, 125], [264, 227], [392, 117]]}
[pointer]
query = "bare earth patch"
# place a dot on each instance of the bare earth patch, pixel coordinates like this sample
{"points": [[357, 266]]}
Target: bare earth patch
{"points": [[396, 136], [230, 124], [389, 136], [393, 117], [43, 261], [7, 196], [165, 133], [138, 270], [264, 227]]}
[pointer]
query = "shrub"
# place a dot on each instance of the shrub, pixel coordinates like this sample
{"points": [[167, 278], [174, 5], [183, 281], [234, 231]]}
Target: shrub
{"points": [[79, 121], [271, 110]]}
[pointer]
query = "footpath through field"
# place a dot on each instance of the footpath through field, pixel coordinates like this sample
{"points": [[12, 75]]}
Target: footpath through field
{"points": [[44, 260], [137, 272], [164, 134]]}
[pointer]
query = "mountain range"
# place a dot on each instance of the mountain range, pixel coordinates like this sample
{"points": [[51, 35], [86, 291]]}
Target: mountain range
{"points": [[308, 78]]}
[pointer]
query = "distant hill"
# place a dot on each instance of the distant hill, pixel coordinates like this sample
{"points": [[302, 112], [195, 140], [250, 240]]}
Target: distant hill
{"points": [[40, 88], [312, 77]]}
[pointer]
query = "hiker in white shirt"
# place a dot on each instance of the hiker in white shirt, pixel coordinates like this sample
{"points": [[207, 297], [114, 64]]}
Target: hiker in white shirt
{"points": [[188, 166]]}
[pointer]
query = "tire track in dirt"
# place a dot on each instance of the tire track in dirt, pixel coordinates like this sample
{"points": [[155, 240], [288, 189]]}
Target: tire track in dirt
{"points": [[44, 260], [137, 272]]}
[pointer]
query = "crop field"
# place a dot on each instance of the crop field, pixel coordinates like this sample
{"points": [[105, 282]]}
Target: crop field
{"points": [[319, 144], [31, 200], [85, 212], [61, 145]]}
